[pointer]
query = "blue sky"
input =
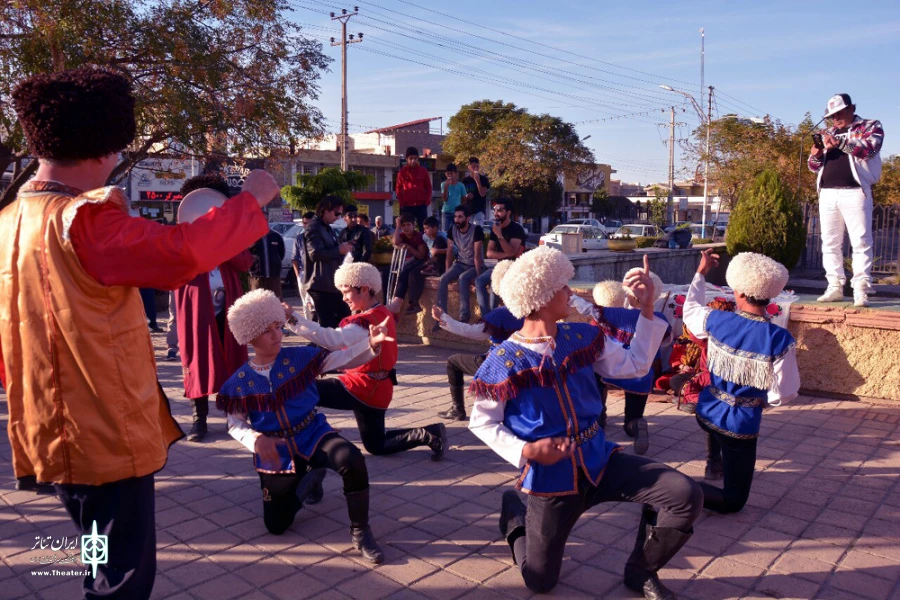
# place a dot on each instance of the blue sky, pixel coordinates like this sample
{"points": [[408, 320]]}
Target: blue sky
{"points": [[584, 61]]}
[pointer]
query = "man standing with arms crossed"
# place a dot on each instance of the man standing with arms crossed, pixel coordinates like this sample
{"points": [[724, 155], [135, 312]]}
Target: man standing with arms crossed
{"points": [[414, 188], [477, 186], [848, 164]]}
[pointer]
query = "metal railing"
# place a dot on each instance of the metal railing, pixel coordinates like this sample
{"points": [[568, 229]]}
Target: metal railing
{"points": [[885, 238]]}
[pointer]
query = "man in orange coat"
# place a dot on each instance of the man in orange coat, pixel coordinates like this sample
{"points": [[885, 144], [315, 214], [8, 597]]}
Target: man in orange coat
{"points": [[209, 352], [86, 412]]}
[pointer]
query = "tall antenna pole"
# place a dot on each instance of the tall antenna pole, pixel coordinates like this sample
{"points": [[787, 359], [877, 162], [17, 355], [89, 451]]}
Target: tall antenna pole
{"points": [[706, 167], [702, 61], [343, 18], [670, 208]]}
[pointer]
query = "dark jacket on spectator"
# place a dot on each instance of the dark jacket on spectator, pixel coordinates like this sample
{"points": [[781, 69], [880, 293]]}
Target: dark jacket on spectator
{"points": [[268, 252], [361, 239], [322, 257]]}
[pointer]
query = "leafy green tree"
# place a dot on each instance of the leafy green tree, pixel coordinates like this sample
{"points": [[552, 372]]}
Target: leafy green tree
{"points": [[310, 189], [218, 77], [600, 203], [767, 219], [658, 208], [522, 153], [887, 190]]}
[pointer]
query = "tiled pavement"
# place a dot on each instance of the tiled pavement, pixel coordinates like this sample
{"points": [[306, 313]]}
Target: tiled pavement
{"points": [[823, 520]]}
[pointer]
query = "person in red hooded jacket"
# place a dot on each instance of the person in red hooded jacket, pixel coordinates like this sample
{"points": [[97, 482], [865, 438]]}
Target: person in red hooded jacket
{"points": [[414, 188]]}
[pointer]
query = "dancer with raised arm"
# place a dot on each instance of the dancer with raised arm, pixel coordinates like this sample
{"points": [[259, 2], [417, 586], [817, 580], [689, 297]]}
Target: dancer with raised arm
{"points": [[752, 364], [537, 405], [367, 389], [271, 407]]}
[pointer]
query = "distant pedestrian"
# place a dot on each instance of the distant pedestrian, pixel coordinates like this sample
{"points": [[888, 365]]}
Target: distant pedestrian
{"points": [[322, 255], [358, 236], [297, 262], [148, 297], [414, 188], [268, 256], [381, 230]]}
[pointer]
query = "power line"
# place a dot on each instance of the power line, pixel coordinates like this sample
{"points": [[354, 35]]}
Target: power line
{"points": [[759, 111]]}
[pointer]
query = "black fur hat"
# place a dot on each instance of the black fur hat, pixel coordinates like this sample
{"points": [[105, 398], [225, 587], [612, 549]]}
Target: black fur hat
{"points": [[208, 180], [77, 114]]}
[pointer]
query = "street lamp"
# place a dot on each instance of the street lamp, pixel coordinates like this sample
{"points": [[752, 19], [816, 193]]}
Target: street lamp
{"points": [[703, 119]]}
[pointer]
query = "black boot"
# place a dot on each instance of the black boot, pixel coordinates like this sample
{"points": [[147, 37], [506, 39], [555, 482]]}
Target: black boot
{"points": [[310, 490], [512, 519], [200, 410], [457, 411], [714, 468], [436, 439], [653, 548], [360, 532]]}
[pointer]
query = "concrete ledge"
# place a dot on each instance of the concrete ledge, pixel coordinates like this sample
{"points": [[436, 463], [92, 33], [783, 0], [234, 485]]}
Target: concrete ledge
{"points": [[841, 351]]}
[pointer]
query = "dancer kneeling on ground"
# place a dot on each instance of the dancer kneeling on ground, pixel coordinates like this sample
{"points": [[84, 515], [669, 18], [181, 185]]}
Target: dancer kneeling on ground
{"points": [[270, 403], [537, 405], [752, 364], [495, 326], [368, 389], [637, 389]]}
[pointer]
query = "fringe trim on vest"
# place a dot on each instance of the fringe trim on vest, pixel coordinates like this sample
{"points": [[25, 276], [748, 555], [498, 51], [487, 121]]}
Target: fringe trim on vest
{"points": [[539, 376], [741, 367], [272, 402]]}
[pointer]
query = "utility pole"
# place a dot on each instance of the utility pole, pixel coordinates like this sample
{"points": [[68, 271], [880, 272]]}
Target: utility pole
{"points": [[706, 166], [669, 204], [702, 60], [343, 18]]}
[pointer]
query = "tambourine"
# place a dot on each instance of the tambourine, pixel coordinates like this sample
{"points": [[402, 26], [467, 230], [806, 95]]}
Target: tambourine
{"points": [[198, 203]]}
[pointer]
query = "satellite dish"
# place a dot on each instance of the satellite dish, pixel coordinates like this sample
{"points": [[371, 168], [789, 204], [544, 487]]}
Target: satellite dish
{"points": [[198, 203]]}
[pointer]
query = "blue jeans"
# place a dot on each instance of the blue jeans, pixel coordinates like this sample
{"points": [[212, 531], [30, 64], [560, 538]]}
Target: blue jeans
{"points": [[487, 301], [465, 275], [446, 221]]}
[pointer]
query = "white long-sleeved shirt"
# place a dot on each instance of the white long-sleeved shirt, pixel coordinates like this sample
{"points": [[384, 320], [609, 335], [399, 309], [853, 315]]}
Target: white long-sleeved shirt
{"points": [[353, 356], [486, 421], [466, 330], [336, 338], [787, 374]]}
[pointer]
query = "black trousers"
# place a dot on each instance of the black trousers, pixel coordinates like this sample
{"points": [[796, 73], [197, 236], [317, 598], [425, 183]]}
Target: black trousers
{"points": [[280, 502], [628, 478], [463, 364], [125, 512], [738, 464], [369, 420], [411, 267], [634, 406], [330, 308]]}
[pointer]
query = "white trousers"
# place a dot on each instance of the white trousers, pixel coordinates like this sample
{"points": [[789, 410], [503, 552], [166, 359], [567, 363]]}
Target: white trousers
{"points": [[850, 208]]}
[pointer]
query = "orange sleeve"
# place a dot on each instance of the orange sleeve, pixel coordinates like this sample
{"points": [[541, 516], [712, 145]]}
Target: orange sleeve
{"points": [[117, 249]]}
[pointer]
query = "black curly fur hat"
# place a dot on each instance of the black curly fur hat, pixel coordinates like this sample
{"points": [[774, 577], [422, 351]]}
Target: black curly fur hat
{"points": [[207, 180], [77, 114]]}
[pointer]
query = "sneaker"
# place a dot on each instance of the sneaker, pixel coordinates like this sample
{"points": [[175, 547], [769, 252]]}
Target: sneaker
{"points": [[860, 298], [414, 308], [155, 329], [832, 294], [641, 437], [171, 355]]}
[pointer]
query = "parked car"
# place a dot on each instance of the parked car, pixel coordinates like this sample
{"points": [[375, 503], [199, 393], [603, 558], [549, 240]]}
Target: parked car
{"points": [[636, 230], [670, 228], [588, 222], [611, 226], [281, 227], [290, 236], [697, 231], [593, 238]]}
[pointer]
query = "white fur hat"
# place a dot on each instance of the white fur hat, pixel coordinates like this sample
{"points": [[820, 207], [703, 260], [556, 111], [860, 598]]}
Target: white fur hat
{"points": [[657, 282], [498, 273], [358, 274], [252, 314], [534, 278], [756, 275], [609, 293]]}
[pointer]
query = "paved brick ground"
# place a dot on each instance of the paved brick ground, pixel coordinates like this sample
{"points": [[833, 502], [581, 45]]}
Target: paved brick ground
{"points": [[823, 520]]}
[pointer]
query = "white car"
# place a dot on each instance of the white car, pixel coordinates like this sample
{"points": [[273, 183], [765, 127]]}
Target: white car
{"points": [[588, 222], [290, 236], [593, 238], [636, 230], [612, 226], [281, 227]]}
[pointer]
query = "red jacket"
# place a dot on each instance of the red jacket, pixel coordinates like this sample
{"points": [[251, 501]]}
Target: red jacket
{"points": [[206, 362], [414, 186]]}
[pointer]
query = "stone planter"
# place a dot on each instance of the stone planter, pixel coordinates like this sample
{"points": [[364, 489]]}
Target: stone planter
{"points": [[382, 258], [626, 245]]}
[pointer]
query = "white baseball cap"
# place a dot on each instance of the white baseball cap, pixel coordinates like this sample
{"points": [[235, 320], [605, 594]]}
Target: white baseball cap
{"points": [[837, 103]]}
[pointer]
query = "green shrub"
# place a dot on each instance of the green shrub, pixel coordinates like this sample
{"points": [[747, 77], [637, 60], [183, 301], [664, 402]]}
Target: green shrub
{"points": [[702, 241], [767, 219], [645, 242]]}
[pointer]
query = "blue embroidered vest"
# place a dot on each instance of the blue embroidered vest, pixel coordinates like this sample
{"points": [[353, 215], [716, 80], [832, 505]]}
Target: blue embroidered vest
{"points": [[282, 405], [555, 397], [624, 321], [500, 324], [742, 352]]}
